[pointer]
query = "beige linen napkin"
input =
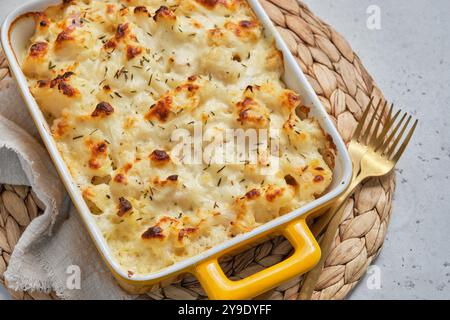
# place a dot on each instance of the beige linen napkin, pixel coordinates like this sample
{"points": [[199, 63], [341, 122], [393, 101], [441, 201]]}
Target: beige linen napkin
{"points": [[55, 246]]}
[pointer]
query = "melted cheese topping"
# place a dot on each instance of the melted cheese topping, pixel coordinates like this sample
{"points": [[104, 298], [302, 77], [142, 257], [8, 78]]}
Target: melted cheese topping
{"points": [[115, 79]]}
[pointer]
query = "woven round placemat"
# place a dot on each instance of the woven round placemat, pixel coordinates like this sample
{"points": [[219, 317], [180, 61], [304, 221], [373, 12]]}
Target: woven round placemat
{"points": [[344, 88]]}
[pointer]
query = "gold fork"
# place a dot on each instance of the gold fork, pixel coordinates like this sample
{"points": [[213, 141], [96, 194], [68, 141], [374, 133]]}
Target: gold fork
{"points": [[373, 154], [357, 147]]}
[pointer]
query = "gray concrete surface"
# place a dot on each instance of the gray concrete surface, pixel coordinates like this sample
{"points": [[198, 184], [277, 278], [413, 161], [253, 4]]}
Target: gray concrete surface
{"points": [[408, 57]]}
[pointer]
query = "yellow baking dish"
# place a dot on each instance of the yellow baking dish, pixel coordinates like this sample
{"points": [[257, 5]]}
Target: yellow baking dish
{"points": [[16, 32]]}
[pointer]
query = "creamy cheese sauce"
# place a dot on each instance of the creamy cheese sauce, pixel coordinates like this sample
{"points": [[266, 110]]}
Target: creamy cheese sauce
{"points": [[115, 79]]}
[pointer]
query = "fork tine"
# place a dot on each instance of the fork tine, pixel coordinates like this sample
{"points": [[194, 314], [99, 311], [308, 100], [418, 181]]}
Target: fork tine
{"points": [[382, 137], [405, 142], [399, 137], [362, 121], [374, 136], [366, 135], [384, 147]]}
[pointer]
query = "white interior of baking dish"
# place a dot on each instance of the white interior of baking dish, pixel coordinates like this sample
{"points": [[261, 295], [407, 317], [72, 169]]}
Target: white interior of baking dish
{"points": [[15, 38]]}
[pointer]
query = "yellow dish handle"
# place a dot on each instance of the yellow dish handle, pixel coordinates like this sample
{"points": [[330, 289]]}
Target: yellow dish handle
{"points": [[306, 255]]}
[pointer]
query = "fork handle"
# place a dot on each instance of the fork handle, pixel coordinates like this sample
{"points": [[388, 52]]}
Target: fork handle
{"points": [[319, 226], [334, 217]]}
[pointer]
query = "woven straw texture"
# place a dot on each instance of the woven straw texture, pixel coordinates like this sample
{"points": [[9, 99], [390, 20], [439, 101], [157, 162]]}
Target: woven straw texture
{"points": [[344, 88]]}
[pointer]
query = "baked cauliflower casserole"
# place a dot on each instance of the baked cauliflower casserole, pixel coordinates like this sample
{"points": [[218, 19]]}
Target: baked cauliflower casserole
{"points": [[116, 78]]}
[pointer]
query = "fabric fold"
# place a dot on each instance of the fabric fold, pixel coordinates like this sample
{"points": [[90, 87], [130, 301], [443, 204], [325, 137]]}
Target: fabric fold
{"points": [[54, 249]]}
